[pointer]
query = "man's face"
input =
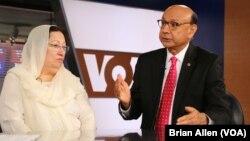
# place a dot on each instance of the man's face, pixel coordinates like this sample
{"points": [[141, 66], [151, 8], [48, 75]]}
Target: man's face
{"points": [[177, 30]]}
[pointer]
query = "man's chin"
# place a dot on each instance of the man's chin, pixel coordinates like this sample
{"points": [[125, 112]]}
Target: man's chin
{"points": [[167, 44]]}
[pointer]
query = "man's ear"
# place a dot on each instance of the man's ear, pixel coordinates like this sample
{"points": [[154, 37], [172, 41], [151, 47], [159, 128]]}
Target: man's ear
{"points": [[193, 30]]}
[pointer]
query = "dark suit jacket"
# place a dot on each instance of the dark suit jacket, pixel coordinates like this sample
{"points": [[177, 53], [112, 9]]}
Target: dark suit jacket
{"points": [[200, 85]]}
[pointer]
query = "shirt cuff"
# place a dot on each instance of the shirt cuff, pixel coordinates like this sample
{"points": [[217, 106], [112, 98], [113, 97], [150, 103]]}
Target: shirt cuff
{"points": [[210, 121], [125, 113]]}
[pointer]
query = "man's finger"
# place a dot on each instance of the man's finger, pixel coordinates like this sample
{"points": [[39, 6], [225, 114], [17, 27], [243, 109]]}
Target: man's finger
{"points": [[190, 109]]}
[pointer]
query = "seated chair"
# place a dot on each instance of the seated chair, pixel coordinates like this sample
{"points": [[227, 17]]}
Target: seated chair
{"points": [[237, 112]]}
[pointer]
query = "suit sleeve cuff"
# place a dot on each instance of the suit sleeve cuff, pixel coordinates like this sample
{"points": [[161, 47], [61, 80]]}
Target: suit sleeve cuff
{"points": [[125, 113]]}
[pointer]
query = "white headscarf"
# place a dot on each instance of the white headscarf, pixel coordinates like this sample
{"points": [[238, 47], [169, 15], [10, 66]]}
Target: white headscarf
{"points": [[43, 105], [35, 49]]}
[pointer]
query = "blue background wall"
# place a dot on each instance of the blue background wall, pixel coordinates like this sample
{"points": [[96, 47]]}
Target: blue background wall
{"points": [[210, 34]]}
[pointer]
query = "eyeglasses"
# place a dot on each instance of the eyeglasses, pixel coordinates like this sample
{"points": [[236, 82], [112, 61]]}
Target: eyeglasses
{"points": [[56, 46], [172, 24]]}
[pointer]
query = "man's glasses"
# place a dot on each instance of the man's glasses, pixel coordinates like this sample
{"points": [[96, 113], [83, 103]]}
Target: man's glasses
{"points": [[57, 47], [172, 24]]}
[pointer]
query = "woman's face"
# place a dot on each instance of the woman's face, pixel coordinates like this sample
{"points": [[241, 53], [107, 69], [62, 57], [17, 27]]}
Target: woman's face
{"points": [[56, 51]]}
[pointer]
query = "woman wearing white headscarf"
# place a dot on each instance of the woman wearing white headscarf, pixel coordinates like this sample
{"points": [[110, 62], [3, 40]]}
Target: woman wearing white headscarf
{"points": [[40, 94]]}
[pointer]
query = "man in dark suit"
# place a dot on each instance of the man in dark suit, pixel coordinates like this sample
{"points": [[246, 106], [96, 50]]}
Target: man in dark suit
{"points": [[199, 94]]}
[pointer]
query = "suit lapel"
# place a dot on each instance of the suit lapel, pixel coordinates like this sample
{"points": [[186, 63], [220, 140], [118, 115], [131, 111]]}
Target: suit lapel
{"points": [[158, 68], [185, 74]]}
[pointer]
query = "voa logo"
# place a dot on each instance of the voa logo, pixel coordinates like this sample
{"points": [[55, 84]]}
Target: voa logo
{"points": [[100, 68]]}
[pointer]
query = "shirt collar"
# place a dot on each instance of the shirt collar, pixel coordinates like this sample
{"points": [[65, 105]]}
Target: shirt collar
{"points": [[180, 56]]}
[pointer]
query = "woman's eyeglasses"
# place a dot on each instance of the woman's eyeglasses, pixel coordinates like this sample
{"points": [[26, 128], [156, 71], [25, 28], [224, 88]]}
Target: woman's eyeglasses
{"points": [[56, 46]]}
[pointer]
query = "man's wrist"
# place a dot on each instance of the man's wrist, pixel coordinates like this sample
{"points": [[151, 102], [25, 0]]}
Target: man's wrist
{"points": [[125, 106]]}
